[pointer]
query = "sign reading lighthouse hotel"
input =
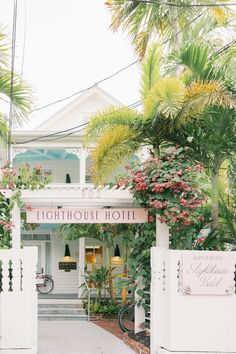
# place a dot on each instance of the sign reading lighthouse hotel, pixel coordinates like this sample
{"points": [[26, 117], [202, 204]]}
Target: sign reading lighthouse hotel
{"points": [[87, 216]]}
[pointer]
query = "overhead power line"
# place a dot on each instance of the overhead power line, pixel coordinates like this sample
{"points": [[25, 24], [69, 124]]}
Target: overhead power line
{"points": [[11, 110], [70, 131], [81, 127], [88, 88], [24, 39], [166, 3], [115, 73], [134, 105], [223, 49]]}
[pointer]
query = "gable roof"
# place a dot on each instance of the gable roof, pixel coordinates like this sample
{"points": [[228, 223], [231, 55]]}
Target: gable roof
{"points": [[93, 99]]}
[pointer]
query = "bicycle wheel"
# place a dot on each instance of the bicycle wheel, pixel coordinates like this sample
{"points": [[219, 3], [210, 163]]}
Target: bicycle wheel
{"points": [[126, 318], [47, 285]]}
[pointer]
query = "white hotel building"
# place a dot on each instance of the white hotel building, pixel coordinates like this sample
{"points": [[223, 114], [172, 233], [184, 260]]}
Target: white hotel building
{"points": [[66, 160]]}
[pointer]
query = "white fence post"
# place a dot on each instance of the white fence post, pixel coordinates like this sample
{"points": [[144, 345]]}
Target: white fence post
{"points": [[162, 243], [15, 233], [162, 235]]}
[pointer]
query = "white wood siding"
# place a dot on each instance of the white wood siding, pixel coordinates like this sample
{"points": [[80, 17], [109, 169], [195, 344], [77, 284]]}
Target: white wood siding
{"points": [[65, 282]]}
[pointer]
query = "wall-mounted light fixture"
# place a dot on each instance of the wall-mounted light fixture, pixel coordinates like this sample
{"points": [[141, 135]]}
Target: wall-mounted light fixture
{"points": [[68, 180], [67, 256]]}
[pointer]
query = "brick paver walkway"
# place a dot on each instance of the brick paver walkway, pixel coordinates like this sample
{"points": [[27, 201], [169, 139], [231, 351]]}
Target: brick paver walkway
{"points": [[111, 325]]}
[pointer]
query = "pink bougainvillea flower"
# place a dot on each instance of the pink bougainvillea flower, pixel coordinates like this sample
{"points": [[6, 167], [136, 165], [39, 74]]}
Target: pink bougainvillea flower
{"points": [[151, 218], [28, 207]]}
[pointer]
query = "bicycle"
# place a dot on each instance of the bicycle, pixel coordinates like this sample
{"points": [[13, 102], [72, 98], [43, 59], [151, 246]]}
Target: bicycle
{"points": [[126, 318], [44, 283]]}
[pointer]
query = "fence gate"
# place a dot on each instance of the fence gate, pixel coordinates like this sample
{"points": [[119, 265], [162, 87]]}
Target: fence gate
{"points": [[18, 301]]}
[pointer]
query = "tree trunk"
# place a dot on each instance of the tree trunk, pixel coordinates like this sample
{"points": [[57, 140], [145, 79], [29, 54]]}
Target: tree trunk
{"points": [[215, 199], [124, 290], [156, 151], [174, 25]]}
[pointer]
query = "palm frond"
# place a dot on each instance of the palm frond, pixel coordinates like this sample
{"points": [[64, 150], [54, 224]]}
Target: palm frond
{"points": [[4, 48], [150, 69], [110, 118], [195, 57], [199, 30], [115, 146], [21, 96], [200, 95], [165, 98], [143, 21], [220, 14], [3, 129]]}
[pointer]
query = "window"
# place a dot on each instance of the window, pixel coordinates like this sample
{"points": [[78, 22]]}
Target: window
{"points": [[35, 237], [93, 257]]}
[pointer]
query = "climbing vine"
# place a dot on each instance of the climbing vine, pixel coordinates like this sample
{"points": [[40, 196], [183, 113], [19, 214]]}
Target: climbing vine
{"points": [[11, 185], [171, 187]]}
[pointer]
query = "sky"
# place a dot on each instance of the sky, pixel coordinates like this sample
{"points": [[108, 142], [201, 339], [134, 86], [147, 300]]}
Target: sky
{"points": [[69, 47]]}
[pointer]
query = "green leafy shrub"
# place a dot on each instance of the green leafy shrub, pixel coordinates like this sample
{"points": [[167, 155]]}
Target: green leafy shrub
{"points": [[106, 308]]}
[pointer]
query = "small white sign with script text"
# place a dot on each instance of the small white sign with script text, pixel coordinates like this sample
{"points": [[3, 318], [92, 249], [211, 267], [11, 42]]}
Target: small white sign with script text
{"points": [[208, 273]]}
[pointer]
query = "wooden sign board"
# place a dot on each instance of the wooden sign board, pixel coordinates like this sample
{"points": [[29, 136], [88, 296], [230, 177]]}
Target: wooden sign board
{"points": [[67, 266], [86, 216], [208, 273]]}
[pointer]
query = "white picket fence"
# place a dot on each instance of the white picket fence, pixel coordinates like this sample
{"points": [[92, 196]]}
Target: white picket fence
{"points": [[183, 319], [18, 301]]}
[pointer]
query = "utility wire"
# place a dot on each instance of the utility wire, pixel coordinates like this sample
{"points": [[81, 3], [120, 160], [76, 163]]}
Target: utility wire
{"points": [[88, 88], [85, 124], [24, 40], [133, 105], [10, 123], [223, 49], [220, 4], [117, 72]]}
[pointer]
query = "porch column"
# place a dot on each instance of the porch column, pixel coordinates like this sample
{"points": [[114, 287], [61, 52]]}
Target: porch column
{"points": [[82, 166], [15, 233], [81, 265], [82, 155]]}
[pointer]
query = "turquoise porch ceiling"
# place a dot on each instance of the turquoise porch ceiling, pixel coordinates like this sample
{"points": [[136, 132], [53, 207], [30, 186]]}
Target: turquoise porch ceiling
{"points": [[44, 154]]}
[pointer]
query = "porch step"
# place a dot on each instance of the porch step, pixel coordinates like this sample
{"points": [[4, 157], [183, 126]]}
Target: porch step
{"points": [[61, 311], [56, 306], [62, 317]]}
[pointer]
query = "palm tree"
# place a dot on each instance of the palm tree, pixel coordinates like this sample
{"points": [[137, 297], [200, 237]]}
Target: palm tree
{"points": [[18, 92], [211, 135], [146, 22], [169, 102]]}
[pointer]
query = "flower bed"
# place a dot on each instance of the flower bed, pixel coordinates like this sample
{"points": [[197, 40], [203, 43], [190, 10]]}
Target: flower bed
{"points": [[139, 342]]}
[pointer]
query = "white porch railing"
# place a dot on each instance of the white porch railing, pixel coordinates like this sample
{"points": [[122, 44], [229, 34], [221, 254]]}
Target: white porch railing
{"points": [[18, 301]]}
